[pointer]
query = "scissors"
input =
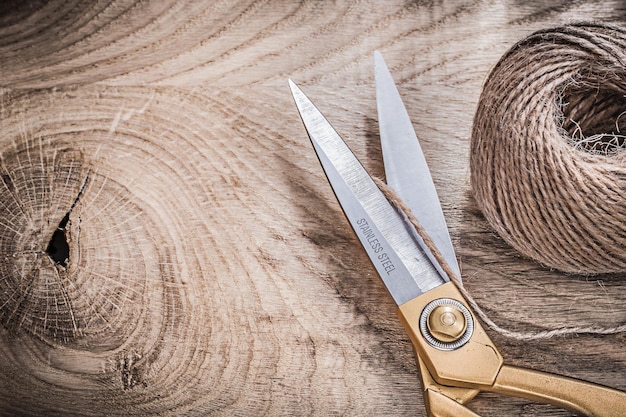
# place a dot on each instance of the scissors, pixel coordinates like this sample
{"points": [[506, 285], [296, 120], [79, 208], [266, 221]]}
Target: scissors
{"points": [[455, 356]]}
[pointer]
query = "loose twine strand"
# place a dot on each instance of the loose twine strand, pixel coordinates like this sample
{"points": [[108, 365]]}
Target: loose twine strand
{"points": [[544, 334]]}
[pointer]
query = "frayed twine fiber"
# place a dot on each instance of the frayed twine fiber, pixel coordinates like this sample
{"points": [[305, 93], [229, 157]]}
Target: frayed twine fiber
{"points": [[548, 148], [542, 334]]}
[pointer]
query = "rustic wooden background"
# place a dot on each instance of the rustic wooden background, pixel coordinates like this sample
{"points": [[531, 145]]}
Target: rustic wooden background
{"points": [[211, 271]]}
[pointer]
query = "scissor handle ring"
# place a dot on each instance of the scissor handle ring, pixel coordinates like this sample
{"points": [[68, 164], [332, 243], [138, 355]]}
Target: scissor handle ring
{"points": [[433, 340]]}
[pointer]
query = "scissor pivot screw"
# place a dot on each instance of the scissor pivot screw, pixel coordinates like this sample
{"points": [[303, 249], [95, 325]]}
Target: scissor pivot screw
{"points": [[446, 324]]}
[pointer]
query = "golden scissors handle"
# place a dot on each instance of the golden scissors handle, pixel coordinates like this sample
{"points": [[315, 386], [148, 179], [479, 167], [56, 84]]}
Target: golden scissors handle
{"points": [[453, 377], [573, 394], [579, 396], [443, 401]]}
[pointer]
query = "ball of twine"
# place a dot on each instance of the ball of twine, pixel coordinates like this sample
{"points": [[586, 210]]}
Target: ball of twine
{"points": [[548, 148]]}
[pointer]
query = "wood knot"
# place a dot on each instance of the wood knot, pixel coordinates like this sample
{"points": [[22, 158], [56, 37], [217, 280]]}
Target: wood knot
{"points": [[60, 283]]}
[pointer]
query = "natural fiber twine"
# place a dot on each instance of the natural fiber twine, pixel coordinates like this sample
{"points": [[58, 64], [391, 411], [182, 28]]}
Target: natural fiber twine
{"points": [[548, 151]]}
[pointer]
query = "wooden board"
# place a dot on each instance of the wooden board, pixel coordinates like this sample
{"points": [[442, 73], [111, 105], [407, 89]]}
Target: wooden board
{"points": [[210, 270]]}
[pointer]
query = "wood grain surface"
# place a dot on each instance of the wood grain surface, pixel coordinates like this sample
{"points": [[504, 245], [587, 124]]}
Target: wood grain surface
{"points": [[210, 269]]}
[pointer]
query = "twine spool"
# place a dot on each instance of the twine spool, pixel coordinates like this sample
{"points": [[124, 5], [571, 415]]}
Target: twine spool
{"points": [[548, 148]]}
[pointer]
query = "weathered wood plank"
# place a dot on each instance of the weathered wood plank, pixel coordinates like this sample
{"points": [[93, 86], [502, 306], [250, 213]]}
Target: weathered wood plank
{"points": [[211, 270]]}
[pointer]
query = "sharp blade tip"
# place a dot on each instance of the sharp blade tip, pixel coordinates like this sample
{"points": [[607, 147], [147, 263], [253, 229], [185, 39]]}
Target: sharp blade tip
{"points": [[293, 86], [378, 60], [380, 66], [298, 95]]}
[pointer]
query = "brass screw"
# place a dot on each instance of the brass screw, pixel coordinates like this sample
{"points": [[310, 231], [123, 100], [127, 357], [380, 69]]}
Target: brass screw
{"points": [[447, 323]]}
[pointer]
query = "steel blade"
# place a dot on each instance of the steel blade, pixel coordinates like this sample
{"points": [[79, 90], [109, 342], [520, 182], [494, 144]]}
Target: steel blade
{"points": [[382, 231], [405, 165]]}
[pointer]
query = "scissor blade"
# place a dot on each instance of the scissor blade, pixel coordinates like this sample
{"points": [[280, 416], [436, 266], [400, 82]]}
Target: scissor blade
{"points": [[405, 166], [380, 228]]}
